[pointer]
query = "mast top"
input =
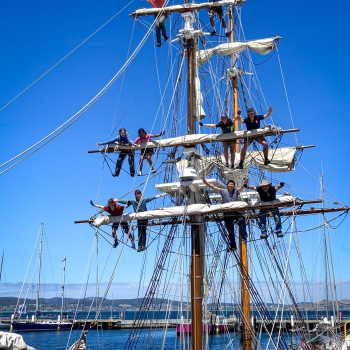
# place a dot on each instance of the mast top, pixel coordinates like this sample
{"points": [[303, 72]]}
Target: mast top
{"points": [[184, 8]]}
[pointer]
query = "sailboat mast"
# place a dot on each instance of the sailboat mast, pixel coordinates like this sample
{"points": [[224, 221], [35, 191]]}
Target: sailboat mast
{"points": [[196, 273], [325, 255], [39, 273], [2, 261], [63, 284], [234, 81], [246, 336]]}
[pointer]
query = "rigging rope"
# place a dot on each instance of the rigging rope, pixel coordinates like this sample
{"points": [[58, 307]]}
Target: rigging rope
{"points": [[66, 56], [80, 113]]}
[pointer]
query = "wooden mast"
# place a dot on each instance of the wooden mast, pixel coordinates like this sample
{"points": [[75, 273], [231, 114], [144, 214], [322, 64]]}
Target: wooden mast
{"points": [[234, 82], [195, 221], [246, 336]]}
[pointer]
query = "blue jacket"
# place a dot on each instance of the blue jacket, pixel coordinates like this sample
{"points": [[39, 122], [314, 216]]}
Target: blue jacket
{"points": [[138, 206], [121, 140]]}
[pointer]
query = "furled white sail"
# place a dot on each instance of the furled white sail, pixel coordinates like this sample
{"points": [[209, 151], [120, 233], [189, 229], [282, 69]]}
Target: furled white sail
{"points": [[281, 200], [262, 47], [196, 139], [199, 111], [282, 160], [192, 209], [12, 341], [185, 7]]}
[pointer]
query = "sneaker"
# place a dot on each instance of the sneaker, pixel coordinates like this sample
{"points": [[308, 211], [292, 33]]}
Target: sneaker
{"points": [[232, 166], [139, 174], [115, 245], [263, 235], [133, 246], [267, 161], [158, 44], [114, 174], [239, 166], [132, 174], [227, 165], [213, 33], [279, 234], [228, 34], [153, 171], [166, 38]]}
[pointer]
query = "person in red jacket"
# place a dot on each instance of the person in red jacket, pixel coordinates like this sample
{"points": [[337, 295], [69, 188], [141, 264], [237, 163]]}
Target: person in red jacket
{"points": [[115, 210]]}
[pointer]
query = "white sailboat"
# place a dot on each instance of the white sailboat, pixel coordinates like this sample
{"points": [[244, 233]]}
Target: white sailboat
{"points": [[38, 321]]}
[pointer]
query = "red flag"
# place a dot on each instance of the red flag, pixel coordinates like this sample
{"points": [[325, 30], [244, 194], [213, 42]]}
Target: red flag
{"points": [[157, 3]]}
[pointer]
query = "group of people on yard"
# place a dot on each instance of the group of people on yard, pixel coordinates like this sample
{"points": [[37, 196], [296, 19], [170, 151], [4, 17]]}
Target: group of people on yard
{"points": [[251, 122], [266, 191], [139, 205], [124, 139]]}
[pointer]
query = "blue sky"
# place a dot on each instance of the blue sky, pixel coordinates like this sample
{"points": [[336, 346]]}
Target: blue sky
{"points": [[55, 185]]}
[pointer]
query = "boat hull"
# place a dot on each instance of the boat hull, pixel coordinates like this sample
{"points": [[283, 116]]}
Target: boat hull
{"points": [[41, 326]]}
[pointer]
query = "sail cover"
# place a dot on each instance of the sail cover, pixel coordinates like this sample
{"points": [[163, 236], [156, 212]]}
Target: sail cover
{"points": [[262, 47], [192, 209], [197, 139], [184, 7], [282, 160], [13, 341]]}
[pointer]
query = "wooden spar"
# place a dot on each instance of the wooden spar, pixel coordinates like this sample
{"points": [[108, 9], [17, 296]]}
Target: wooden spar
{"points": [[297, 202], [188, 7], [206, 138], [249, 215]]}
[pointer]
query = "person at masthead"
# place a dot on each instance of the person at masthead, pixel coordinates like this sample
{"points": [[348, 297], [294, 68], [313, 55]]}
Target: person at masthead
{"points": [[253, 122], [219, 11], [267, 194], [122, 139], [226, 126], [116, 210], [230, 194], [160, 28]]}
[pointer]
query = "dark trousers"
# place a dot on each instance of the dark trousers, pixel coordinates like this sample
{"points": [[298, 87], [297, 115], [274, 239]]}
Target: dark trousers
{"points": [[158, 30], [120, 161], [142, 230], [229, 219]]}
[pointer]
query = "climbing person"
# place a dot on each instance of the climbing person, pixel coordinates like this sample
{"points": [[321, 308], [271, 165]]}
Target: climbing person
{"points": [[267, 194], [160, 28], [139, 205], [122, 139], [230, 194], [116, 210], [219, 11], [226, 126], [146, 153], [253, 122]]}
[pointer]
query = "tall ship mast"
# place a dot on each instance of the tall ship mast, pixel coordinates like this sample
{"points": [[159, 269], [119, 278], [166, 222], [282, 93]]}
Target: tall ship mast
{"points": [[193, 215]]}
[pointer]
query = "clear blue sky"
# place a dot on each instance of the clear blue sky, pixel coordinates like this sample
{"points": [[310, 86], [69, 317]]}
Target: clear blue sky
{"points": [[55, 185]]}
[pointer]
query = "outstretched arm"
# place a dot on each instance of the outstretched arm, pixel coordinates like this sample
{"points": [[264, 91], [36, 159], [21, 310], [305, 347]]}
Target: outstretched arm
{"points": [[208, 125], [158, 135], [243, 185], [250, 187], [269, 112], [216, 189], [107, 142], [239, 118], [96, 205], [279, 186]]}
